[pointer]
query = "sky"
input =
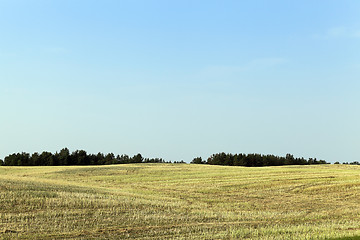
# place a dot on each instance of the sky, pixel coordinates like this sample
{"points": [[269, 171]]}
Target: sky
{"points": [[181, 79]]}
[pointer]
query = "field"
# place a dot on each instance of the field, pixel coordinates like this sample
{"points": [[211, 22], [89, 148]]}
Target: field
{"points": [[179, 201]]}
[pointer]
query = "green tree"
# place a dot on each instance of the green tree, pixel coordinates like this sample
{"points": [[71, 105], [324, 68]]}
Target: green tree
{"points": [[35, 159], [137, 158], [46, 159], [64, 156], [122, 159], [109, 158], [197, 160], [80, 157]]}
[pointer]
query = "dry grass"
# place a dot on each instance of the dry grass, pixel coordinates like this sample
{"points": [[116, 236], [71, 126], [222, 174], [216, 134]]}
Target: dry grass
{"points": [[179, 201]]}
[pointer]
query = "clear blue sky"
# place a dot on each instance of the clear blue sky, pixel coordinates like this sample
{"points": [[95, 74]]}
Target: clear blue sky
{"points": [[181, 79]]}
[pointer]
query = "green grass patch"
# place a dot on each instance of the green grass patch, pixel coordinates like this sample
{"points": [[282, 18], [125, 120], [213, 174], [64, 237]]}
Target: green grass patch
{"points": [[346, 238]]}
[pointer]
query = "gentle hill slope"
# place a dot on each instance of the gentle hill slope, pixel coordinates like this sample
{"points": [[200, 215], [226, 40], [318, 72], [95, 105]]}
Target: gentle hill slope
{"points": [[159, 201]]}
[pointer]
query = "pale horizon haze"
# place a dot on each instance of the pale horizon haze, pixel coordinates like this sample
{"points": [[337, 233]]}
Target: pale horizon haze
{"points": [[181, 79]]}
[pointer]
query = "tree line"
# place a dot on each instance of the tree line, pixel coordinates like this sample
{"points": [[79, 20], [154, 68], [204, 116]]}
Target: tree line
{"points": [[78, 157], [81, 157], [349, 163], [255, 160]]}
